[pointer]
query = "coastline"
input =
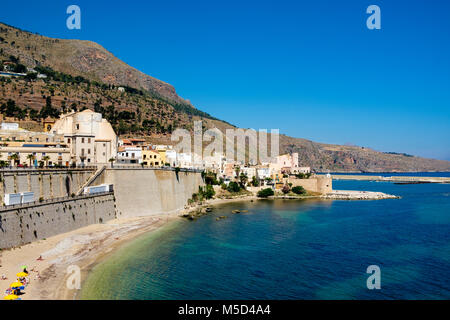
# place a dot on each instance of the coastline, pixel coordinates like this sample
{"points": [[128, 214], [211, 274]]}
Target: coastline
{"points": [[88, 246], [83, 247]]}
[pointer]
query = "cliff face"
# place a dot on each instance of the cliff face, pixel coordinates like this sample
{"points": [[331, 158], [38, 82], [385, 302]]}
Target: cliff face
{"points": [[154, 113]]}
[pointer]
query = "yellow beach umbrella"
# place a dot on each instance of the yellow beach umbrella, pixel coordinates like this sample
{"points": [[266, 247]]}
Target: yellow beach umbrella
{"points": [[16, 284], [22, 274], [11, 297]]}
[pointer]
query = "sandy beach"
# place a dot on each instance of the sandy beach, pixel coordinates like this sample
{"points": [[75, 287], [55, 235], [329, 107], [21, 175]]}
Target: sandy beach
{"points": [[82, 247], [87, 246]]}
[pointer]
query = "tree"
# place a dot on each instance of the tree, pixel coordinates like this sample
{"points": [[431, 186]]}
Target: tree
{"points": [[298, 190], [255, 181], [14, 157], [30, 157], [46, 159], [265, 193], [20, 68], [233, 187], [111, 160], [237, 169], [48, 110], [243, 179], [285, 189]]}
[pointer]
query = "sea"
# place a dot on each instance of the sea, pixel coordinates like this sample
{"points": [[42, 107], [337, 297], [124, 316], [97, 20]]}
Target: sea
{"points": [[292, 249]]}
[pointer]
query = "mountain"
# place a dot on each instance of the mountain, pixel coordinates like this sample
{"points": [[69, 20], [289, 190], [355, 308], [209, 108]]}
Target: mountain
{"points": [[80, 58], [82, 74]]}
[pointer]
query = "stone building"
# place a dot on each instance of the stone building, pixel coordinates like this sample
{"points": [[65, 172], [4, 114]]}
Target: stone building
{"points": [[91, 138]]}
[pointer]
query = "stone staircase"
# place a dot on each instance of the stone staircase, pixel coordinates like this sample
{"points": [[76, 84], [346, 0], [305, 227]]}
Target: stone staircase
{"points": [[91, 179]]}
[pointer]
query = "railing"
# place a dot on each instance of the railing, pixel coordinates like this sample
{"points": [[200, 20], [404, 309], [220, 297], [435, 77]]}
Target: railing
{"points": [[53, 200], [47, 168], [139, 167], [91, 179]]}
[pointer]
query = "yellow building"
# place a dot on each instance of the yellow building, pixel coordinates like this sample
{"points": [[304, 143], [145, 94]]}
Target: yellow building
{"points": [[48, 124], [151, 158]]}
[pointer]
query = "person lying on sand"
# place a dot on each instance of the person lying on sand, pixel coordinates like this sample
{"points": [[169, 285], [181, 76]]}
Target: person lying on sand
{"points": [[4, 277], [40, 258]]}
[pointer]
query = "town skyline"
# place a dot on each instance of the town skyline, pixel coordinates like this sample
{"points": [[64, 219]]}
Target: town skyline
{"points": [[357, 82]]}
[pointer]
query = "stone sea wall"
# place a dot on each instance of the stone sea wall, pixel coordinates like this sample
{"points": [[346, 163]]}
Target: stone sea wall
{"points": [[143, 192], [45, 184], [27, 223]]}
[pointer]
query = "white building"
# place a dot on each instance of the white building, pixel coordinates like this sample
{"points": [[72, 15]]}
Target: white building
{"points": [[91, 138], [129, 155], [171, 157]]}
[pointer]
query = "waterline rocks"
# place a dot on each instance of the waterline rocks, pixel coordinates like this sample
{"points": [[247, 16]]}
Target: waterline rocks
{"points": [[358, 195]]}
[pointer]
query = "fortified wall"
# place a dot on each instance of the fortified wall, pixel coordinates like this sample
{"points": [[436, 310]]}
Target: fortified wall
{"points": [[56, 210], [26, 223], [45, 183], [144, 192], [318, 184]]}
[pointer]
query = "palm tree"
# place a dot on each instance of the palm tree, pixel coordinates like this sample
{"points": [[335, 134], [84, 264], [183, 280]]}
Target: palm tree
{"points": [[243, 178], [111, 160], [46, 159], [82, 158], [14, 157], [31, 158], [237, 169]]}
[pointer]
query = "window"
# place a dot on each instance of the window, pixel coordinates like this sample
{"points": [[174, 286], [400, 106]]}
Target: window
{"points": [[104, 153], [78, 127], [68, 140], [82, 152], [104, 145], [82, 140], [89, 160], [89, 140], [89, 151]]}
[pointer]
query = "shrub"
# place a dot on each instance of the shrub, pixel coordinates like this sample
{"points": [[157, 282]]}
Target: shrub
{"points": [[298, 190], [233, 187], [286, 189], [265, 193], [209, 192], [223, 186]]}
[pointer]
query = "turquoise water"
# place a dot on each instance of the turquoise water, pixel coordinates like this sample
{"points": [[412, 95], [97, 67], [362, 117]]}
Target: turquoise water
{"points": [[290, 249]]}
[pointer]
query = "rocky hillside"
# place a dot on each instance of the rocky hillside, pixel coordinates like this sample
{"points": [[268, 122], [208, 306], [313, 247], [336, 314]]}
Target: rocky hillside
{"points": [[82, 74], [80, 58]]}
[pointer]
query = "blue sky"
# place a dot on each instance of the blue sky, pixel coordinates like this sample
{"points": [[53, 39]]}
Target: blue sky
{"points": [[310, 68]]}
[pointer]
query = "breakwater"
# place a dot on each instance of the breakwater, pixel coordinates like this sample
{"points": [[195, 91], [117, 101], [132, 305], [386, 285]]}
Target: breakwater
{"points": [[397, 179]]}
